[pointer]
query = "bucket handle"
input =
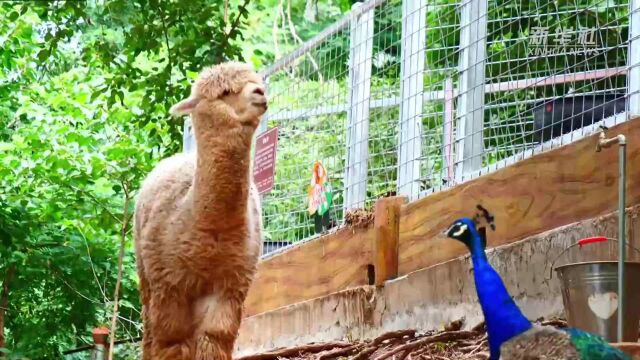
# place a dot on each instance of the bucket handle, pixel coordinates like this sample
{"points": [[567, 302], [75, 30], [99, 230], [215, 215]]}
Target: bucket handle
{"points": [[585, 241]]}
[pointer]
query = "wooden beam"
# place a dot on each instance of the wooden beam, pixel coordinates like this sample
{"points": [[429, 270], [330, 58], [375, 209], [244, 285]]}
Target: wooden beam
{"points": [[387, 228], [316, 268], [546, 191], [630, 348]]}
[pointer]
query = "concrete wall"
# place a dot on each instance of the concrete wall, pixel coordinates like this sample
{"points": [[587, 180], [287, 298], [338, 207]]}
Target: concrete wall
{"points": [[429, 298]]}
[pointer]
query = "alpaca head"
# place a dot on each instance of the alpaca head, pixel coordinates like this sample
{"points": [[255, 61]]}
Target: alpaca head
{"points": [[234, 83]]}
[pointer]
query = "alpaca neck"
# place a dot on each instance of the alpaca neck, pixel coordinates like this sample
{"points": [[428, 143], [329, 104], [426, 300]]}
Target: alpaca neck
{"points": [[503, 318], [221, 183]]}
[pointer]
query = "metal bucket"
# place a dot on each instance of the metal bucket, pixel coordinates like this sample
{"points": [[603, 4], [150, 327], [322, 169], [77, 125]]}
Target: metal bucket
{"points": [[590, 297]]}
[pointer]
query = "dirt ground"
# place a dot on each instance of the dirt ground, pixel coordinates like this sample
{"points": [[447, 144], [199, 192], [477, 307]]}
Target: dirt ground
{"points": [[447, 344]]}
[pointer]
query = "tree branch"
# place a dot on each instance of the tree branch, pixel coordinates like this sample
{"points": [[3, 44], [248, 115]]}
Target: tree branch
{"points": [[236, 21], [274, 34], [123, 237], [226, 13], [4, 298], [294, 33], [90, 196], [166, 41], [93, 269], [57, 273], [87, 194], [235, 24]]}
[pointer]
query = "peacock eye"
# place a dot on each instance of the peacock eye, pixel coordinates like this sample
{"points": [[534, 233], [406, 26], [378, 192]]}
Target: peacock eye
{"points": [[461, 229]]}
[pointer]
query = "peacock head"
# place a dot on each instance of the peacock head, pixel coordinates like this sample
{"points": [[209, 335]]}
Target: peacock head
{"points": [[472, 231], [463, 230]]}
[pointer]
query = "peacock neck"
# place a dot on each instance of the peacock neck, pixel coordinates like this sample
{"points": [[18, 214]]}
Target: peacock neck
{"points": [[503, 318]]}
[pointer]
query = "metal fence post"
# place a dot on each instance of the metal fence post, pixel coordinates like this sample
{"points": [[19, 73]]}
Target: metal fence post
{"points": [[188, 139], [360, 62], [414, 37], [262, 127], [447, 133], [633, 62], [473, 53]]}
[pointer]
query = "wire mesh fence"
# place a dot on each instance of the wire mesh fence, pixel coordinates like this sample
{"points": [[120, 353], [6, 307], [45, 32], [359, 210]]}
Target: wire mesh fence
{"points": [[502, 77], [308, 104], [552, 69], [415, 96], [335, 102]]}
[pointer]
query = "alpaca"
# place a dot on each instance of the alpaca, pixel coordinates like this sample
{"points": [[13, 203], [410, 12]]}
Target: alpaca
{"points": [[197, 223]]}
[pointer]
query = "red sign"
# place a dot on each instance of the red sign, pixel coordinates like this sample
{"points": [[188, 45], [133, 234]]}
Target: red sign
{"points": [[264, 162]]}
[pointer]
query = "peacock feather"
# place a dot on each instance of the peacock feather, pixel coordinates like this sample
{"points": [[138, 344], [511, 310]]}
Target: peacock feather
{"points": [[511, 335]]}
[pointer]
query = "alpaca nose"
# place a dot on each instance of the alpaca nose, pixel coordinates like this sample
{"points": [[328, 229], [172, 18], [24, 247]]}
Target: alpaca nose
{"points": [[259, 91]]}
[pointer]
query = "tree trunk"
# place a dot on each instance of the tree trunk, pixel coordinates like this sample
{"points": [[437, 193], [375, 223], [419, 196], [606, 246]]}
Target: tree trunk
{"points": [[4, 301], [311, 11]]}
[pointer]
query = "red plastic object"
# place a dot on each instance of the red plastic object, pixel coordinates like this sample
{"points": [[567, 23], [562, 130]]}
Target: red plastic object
{"points": [[590, 240], [100, 335]]}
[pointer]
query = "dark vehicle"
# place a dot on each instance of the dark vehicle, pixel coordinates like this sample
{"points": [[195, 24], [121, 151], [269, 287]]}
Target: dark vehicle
{"points": [[553, 118]]}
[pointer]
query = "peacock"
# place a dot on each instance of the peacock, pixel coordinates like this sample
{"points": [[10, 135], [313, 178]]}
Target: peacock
{"points": [[510, 334]]}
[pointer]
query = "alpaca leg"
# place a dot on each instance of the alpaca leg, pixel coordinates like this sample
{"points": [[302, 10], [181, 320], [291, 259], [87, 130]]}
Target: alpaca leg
{"points": [[214, 347], [219, 321], [147, 338], [145, 297], [171, 320], [176, 351]]}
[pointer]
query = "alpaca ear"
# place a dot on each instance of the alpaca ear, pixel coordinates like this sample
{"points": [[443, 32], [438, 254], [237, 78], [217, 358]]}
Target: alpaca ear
{"points": [[185, 106]]}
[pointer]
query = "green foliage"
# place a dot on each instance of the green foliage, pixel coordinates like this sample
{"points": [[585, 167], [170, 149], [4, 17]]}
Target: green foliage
{"points": [[64, 173], [149, 45], [84, 93]]}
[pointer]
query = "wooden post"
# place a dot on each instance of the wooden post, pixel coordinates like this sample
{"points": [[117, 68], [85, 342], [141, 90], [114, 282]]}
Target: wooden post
{"points": [[101, 346], [387, 229]]}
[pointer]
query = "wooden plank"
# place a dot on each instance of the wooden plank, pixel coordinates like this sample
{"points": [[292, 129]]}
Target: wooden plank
{"points": [[385, 248], [632, 349], [317, 268], [544, 192]]}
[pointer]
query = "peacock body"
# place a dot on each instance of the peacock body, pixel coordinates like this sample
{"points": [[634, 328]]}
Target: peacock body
{"points": [[511, 335]]}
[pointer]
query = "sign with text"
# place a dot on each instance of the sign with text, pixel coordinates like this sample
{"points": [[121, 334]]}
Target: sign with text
{"points": [[544, 41], [264, 162]]}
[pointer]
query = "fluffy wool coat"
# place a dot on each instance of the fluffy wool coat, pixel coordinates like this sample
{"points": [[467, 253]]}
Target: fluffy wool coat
{"points": [[197, 224]]}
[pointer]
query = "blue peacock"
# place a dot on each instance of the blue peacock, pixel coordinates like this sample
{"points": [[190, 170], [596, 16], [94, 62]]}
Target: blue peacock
{"points": [[511, 335]]}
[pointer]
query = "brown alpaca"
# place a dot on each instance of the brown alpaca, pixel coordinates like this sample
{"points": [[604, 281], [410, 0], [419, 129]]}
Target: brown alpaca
{"points": [[197, 223]]}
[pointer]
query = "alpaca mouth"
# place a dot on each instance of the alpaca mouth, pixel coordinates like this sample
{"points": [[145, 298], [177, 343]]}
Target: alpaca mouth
{"points": [[261, 104]]}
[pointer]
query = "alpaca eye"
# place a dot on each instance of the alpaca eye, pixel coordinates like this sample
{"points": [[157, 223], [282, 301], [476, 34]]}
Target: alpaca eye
{"points": [[226, 92]]}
